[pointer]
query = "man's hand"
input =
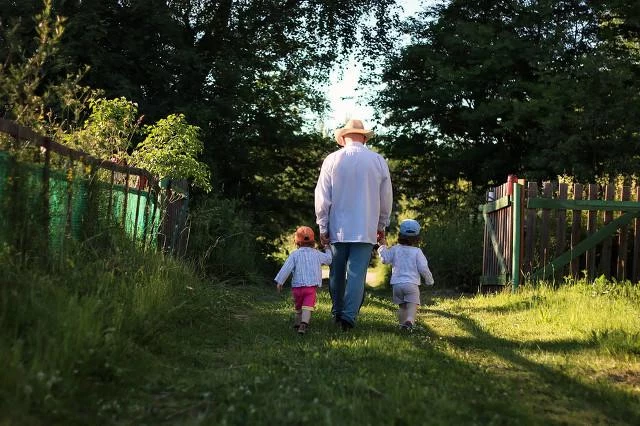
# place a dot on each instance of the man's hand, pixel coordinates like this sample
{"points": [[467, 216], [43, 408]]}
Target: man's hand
{"points": [[381, 237], [324, 239]]}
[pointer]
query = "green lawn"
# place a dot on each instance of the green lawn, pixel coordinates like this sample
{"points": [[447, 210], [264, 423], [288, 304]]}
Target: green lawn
{"points": [[543, 356]]}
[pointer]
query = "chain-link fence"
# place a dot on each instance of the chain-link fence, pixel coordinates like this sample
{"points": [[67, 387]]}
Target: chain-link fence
{"points": [[51, 195]]}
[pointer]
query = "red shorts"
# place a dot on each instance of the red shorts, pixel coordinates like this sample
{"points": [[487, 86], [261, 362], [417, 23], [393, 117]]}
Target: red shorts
{"points": [[304, 298]]}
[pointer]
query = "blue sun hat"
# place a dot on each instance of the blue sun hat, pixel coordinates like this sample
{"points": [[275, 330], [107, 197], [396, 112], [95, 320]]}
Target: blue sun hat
{"points": [[409, 228]]}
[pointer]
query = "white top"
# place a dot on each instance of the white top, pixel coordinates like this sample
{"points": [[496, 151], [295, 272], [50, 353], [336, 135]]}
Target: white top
{"points": [[408, 264], [306, 265], [353, 195]]}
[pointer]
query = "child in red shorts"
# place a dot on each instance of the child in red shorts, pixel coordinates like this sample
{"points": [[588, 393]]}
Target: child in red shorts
{"points": [[306, 265]]}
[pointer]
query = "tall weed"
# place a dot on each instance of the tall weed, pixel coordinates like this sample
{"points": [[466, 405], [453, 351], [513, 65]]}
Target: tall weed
{"points": [[73, 328], [223, 241]]}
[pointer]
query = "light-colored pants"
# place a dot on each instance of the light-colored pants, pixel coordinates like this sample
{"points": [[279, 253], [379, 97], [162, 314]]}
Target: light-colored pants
{"points": [[347, 275], [403, 293]]}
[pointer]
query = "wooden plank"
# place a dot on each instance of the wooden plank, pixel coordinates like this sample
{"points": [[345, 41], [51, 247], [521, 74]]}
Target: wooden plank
{"points": [[576, 228], [496, 205], [507, 235], [70, 175], [46, 201], [636, 245], [496, 243], [605, 254], [604, 233], [547, 191], [530, 228], [494, 280], [561, 221], [622, 266], [599, 205], [590, 261], [487, 250]]}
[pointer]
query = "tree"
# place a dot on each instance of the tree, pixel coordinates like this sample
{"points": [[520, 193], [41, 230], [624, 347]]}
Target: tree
{"points": [[36, 89], [491, 88], [247, 73], [109, 130]]}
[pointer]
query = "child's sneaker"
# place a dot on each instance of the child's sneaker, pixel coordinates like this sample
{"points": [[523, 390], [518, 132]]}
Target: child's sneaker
{"points": [[302, 328], [407, 326]]}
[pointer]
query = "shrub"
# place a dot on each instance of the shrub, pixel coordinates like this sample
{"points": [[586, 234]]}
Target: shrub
{"points": [[454, 250], [223, 241]]}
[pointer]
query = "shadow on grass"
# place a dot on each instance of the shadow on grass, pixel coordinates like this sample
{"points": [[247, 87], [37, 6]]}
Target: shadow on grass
{"points": [[519, 306], [575, 395], [250, 367]]}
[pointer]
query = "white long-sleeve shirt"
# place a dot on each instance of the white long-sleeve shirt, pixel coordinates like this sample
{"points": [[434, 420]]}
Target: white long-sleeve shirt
{"points": [[306, 265], [408, 263], [353, 195]]}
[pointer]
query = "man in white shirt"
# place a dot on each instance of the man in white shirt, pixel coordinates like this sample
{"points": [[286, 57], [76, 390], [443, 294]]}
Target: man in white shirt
{"points": [[353, 199]]}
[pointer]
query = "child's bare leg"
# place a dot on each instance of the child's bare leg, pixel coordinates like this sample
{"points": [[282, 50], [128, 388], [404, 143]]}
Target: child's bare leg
{"points": [[298, 318], [305, 317], [402, 313], [412, 311]]}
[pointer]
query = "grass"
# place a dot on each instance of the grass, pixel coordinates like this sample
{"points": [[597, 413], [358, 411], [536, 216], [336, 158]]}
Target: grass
{"points": [[148, 342]]}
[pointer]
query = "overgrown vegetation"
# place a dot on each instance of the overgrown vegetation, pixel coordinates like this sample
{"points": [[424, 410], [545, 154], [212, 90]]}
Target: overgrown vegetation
{"points": [[140, 339], [76, 332], [106, 333]]}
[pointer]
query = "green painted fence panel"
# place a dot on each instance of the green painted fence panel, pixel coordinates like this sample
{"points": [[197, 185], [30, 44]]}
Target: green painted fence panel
{"points": [[70, 213]]}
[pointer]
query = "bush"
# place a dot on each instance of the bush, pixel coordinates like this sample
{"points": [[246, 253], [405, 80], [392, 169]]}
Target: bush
{"points": [[454, 250], [223, 241]]}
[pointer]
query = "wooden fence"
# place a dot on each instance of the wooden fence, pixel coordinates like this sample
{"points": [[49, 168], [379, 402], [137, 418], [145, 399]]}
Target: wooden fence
{"points": [[554, 230]]}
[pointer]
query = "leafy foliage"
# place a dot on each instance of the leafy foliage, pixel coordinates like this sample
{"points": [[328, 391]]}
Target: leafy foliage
{"points": [[109, 129], [533, 88], [171, 149], [248, 74], [36, 88]]}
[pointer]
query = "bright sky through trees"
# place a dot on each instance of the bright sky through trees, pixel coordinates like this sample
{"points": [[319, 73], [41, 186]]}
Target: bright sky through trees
{"points": [[347, 98]]}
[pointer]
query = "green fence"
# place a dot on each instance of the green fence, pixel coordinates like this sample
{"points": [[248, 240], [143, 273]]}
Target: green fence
{"points": [[69, 206], [51, 196]]}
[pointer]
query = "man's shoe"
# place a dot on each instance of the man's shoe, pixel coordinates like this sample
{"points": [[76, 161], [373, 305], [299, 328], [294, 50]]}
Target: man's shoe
{"points": [[346, 325], [337, 321]]}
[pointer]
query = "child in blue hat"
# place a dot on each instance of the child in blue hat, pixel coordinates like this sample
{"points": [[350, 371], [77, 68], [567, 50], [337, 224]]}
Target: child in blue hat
{"points": [[408, 264]]}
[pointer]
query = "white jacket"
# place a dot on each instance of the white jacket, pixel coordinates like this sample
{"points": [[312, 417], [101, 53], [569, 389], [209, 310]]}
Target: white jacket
{"points": [[306, 265], [353, 196], [408, 263]]}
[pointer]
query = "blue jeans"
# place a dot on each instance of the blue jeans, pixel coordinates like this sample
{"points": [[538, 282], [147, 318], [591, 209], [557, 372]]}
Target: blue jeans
{"points": [[347, 276]]}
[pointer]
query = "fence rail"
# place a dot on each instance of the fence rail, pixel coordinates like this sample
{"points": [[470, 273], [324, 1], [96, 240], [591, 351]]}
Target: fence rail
{"points": [[48, 189]]}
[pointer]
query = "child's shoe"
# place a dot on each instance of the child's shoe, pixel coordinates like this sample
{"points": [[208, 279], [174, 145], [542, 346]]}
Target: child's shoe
{"points": [[407, 326], [302, 328]]}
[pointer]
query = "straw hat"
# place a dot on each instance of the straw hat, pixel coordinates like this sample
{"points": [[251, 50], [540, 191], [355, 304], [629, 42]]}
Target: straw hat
{"points": [[352, 126]]}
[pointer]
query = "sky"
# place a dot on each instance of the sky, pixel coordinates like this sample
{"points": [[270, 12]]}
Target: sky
{"points": [[346, 97]]}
